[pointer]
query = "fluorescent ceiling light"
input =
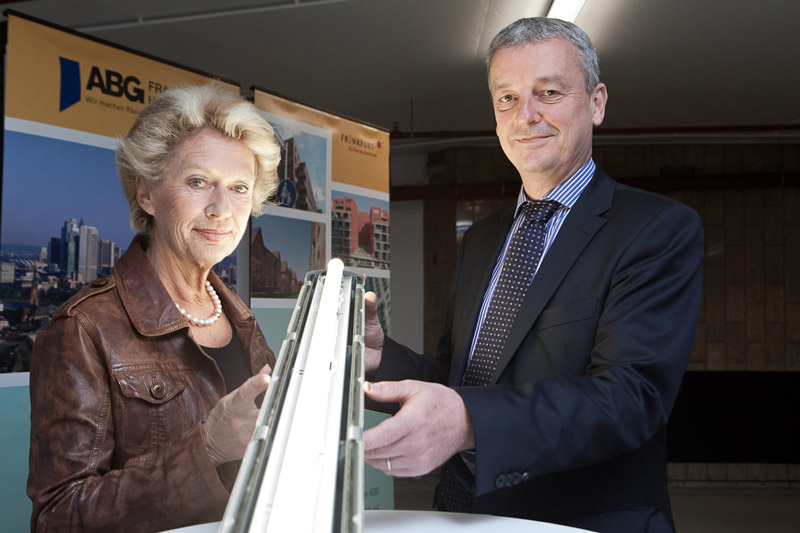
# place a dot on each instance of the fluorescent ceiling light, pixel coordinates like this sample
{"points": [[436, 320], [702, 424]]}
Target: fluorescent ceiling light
{"points": [[565, 9]]}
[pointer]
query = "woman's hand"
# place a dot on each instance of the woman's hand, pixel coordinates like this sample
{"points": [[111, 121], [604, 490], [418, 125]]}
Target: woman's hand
{"points": [[230, 424], [373, 335]]}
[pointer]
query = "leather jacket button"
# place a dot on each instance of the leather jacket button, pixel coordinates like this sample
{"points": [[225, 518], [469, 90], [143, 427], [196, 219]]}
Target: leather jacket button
{"points": [[158, 391], [99, 282]]}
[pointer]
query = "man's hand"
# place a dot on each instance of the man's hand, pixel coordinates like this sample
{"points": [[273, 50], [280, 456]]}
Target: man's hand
{"points": [[373, 335], [230, 424], [431, 425]]}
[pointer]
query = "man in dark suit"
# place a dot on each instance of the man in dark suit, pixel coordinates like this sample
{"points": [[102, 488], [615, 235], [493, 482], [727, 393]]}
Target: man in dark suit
{"points": [[560, 361]]}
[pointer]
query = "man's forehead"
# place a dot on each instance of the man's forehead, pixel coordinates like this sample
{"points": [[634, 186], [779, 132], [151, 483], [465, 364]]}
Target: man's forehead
{"points": [[555, 79], [556, 74]]}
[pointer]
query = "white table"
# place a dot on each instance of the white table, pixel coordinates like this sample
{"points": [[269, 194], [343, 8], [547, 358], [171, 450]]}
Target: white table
{"points": [[430, 521], [440, 522]]}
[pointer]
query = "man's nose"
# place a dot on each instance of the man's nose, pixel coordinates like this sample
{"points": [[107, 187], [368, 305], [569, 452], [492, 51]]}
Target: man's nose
{"points": [[529, 110]]}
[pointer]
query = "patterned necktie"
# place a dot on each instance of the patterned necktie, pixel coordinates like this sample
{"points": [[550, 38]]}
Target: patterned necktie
{"points": [[524, 252], [523, 256]]}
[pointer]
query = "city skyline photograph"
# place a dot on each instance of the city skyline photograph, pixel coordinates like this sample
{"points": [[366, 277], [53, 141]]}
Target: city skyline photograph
{"points": [[64, 224], [47, 182]]}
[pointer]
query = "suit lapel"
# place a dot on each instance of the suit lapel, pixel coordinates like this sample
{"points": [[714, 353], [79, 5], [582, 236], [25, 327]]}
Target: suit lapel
{"points": [[580, 226], [479, 261]]}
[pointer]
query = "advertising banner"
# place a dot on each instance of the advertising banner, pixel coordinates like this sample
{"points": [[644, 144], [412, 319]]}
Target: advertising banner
{"points": [[57, 77], [64, 216], [333, 201]]}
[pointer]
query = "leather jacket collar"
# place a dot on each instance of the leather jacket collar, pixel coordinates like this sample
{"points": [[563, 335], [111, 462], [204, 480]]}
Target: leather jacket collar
{"points": [[146, 301]]}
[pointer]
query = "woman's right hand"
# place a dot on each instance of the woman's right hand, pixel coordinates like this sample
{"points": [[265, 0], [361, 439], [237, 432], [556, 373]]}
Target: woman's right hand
{"points": [[230, 424], [373, 335]]}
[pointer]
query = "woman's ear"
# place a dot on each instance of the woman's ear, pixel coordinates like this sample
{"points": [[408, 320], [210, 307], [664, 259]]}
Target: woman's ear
{"points": [[144, 195]]}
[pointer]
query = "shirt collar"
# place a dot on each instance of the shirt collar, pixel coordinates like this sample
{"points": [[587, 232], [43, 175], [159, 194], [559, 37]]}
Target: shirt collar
{"points": [[566, 193]]}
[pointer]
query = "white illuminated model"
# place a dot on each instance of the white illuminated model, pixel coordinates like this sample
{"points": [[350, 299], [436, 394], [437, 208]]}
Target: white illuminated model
{"points": [[303, 469]]}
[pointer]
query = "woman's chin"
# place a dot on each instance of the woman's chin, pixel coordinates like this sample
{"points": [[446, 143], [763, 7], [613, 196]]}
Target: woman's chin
{"points": [[209, 256]]}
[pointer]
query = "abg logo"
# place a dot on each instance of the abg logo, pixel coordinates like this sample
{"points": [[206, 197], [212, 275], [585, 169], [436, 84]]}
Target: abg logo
{"points": [[109, 82], [70, 83]]}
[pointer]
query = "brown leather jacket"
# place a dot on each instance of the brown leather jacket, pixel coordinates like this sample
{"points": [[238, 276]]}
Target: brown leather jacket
{"points": [[119, 390]]}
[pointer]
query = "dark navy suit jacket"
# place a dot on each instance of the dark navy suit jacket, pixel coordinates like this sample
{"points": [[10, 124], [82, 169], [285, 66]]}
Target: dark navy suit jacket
{"points": [[572, 429]]}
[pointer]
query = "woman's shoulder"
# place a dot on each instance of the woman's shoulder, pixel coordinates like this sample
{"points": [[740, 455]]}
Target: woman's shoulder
{"points": [[86, 300], [84, 313]]}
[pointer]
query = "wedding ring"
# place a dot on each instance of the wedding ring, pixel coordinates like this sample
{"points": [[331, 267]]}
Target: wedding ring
{"points": [[388, 465]]}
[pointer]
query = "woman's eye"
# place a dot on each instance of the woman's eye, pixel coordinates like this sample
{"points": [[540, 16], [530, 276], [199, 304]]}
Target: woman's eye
{"points": [[241, 189], [196, 183]]}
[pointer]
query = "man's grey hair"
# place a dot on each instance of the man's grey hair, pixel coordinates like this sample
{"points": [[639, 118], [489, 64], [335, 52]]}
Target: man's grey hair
{"points": [[539, 29]]}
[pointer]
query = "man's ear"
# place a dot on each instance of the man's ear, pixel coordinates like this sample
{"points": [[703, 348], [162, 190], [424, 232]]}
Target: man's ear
{"points": [[144, 195], [599, 98]]}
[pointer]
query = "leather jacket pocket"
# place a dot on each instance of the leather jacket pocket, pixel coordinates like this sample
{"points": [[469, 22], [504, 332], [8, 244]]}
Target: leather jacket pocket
{"points": [[151, 410]]}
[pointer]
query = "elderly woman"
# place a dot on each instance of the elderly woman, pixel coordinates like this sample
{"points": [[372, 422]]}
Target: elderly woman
{"points": [[133, 425]]}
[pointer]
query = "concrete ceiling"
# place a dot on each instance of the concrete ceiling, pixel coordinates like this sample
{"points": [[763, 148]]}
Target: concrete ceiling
{"points": [[417, 65]]}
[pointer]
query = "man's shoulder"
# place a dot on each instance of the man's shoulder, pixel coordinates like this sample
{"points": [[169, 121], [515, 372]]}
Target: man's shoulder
{"points": [[632, 203], [627, 195]]}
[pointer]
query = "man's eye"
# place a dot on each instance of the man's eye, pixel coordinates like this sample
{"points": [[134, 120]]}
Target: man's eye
{"points": [[506, 98], [550, 93]]}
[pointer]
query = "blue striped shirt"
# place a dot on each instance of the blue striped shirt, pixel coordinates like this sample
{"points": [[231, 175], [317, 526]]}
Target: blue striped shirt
{"points": [[566, 194]]}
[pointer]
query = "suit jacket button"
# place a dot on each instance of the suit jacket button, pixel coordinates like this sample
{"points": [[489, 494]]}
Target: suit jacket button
{"points": [[516, 478], [500, 482], [158, 391], [525, 476]]}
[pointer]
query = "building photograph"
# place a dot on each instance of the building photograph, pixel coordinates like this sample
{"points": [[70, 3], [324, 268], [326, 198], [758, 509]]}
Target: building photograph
{"points": [[282, 251], [304, 168], [360, 230]]}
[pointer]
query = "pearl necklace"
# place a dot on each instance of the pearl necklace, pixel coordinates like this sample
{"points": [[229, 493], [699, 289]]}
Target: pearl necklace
{"points": [[204, 321]]}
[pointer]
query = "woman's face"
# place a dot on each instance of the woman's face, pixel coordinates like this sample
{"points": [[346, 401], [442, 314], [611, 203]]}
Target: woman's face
{"points": [[201, 205]]}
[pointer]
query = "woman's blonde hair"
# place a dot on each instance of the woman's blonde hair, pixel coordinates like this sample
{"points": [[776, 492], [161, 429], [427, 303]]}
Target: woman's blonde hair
{"points": [[174, 116]]}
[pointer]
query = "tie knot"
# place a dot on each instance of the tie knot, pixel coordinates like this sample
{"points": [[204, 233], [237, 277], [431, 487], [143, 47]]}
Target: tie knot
{"points": [[540, 210]]}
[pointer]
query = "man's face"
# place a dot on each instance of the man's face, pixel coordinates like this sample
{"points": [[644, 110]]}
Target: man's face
{"points": [[544, 114]]}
